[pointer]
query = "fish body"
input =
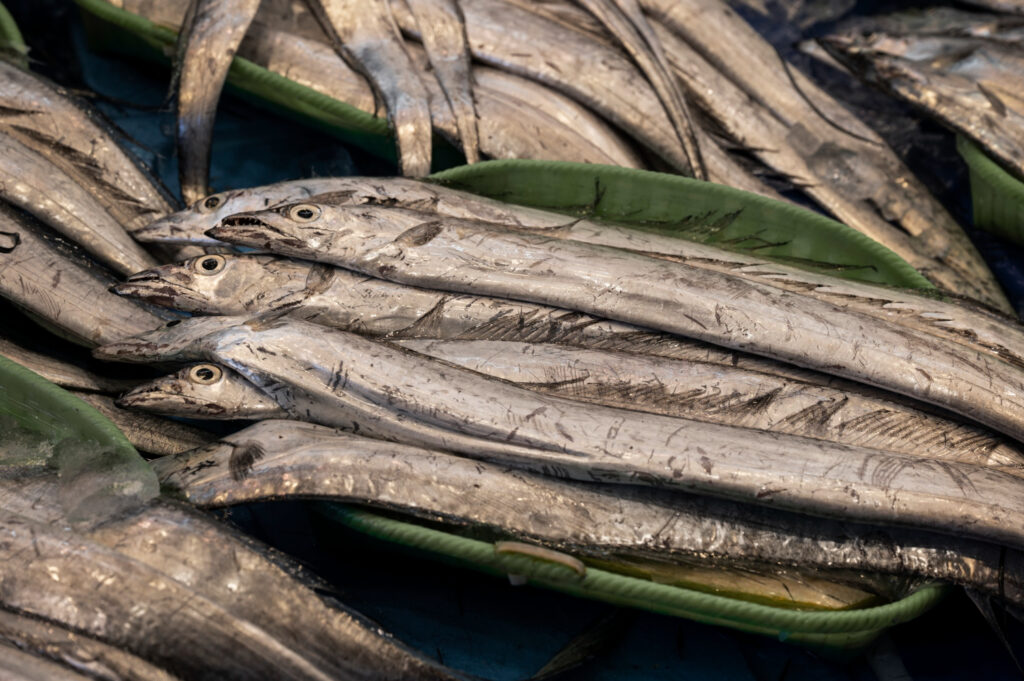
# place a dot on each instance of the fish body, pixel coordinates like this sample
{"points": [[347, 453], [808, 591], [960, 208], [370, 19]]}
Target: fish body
{"points": [[64, 374], [365, 34], [31, 182], [716, 307], [206, 47], [147, 433], [347, 381]]}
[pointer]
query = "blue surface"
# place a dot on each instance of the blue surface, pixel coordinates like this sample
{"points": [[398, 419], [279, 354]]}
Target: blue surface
{"points": [[469, 621]]}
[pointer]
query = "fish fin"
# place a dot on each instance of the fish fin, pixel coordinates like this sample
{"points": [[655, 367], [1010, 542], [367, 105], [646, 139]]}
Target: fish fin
{"points": [[984, 604], [596, 637]]}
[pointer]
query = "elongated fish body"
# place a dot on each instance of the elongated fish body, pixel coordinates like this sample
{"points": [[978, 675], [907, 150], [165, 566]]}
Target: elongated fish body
{"points": [[64, 374], [147, 433], [21, 665], [624, 20], [443, 32], [42, 116], [969, 84], [700, 303], [365, 34], [30, 181], [60, 644], [275, 459], [206, 46], [335, 297], [57, 285], [203, 391], [836, 143], [344, 380]]}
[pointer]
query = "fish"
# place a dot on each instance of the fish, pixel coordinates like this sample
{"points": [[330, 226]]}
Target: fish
{"points": [[64, 374], [626, 22], [207, 44], [365, 35], [969, 84], [596, 522], [21, 665], [147, 433], [443, 32], [55, 283], [46, 118], [837, 145], [1009, 6], [346, 381], [31, 182], [708, 305]]}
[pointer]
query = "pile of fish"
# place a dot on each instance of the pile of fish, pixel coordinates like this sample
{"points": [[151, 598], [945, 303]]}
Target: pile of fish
{"points": [[583, 391], [685, 85]]}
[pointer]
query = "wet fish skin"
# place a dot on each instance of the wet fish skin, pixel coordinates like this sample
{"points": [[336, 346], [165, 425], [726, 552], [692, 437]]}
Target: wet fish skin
{"points": [[20, 665], [44, 117], [394, 394], [31, 182], [443, 31], [64, 374], [365, 35], [152, 434], [52, 282], [586, 519], [206, 47], [707, 305], [203, 391], [836, 142]]}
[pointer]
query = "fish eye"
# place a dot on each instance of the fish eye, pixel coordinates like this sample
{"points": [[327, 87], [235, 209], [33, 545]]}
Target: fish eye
{"points": [[205, 374], [209, 264], [208, 204], [304, 212]]}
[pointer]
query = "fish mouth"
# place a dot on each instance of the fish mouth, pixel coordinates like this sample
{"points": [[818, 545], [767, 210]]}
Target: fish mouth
{"points": [[151, 287]]}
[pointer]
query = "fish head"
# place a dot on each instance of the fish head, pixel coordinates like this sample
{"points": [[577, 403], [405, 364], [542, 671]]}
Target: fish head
{"points": [[180, 340], [205, 391], [223, 284], [189, 226]]}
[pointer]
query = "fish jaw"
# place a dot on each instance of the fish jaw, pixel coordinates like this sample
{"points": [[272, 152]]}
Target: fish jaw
{"points": [[165, 286], [263, 230]]}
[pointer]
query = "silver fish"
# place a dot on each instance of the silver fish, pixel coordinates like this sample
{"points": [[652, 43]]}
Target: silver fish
{"points": [[365, 34], [64, 374], [206, 46], [53, 283], [443, 31], [836, 144], [30, 181], [708, 305], [343, 380], [20, 665], [44, 117], [275, 459], [147, 433], [969, 84]]}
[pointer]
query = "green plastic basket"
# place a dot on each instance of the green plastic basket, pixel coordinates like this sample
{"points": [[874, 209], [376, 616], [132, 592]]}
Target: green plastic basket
{"points": [[998, 196], [11, 43], [652, 201]]}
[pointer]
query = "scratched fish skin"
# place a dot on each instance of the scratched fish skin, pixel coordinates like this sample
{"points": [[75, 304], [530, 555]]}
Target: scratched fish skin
{"points": [[347, 381], [52, 282], [64, 374], [277, 458], [700, 303], [443, 32], [31, 182], [206, 47], [969, 84], [365, 35], [836, 144], [44, 117], [147, 433], [95, 658]]}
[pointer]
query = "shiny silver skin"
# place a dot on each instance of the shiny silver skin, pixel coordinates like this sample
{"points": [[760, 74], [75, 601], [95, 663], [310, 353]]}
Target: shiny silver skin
{"points": [[365, 34], [836, 144], [19, 665], [443, 32], [53, 283], [148, 433], [280, 459], [44, 117], [60, 644], [203, 391], [709, 305], [31, 182], [972, 85], [62, 373], [371, 388], [209, 38], [627, 23]]}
